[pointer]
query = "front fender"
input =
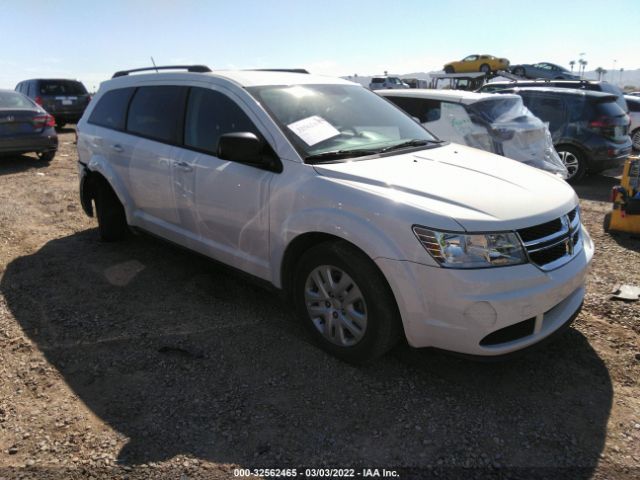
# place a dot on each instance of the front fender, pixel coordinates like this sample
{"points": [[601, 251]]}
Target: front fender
{"points": [[342, 224]]}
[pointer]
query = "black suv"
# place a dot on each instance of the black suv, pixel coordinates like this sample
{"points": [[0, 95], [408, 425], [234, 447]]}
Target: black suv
{"points": [[596, 86], [590, 131], [64, 99]]}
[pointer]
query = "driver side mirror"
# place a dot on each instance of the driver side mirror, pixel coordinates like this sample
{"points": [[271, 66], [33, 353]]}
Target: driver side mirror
{"points": [[246, 147]]}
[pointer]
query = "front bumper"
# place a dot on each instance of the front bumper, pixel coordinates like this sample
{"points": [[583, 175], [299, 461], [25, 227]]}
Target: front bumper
{"points": [[456, 309]]}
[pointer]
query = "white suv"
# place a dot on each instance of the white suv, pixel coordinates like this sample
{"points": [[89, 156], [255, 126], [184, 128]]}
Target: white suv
{"points": [[373, 227]]}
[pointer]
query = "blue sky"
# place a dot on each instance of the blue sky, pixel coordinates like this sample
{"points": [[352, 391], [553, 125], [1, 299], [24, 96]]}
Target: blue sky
{"points": [[90, 40]]}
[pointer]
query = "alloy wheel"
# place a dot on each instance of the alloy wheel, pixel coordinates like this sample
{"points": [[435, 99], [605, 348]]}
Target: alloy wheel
{"points": [[636, 139], [571, 162], [336, 305]]}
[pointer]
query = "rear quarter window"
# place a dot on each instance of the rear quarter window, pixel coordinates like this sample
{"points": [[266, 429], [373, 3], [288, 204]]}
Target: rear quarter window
{"points": [[157, 112], [111, 110]]}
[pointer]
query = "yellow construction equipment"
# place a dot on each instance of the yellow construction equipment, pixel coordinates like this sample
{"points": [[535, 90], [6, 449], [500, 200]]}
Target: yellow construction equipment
{"points": [[625, 216]]}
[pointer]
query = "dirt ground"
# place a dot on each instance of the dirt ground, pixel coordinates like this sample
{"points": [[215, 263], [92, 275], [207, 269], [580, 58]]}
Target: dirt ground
{"points": [[141, 360]]}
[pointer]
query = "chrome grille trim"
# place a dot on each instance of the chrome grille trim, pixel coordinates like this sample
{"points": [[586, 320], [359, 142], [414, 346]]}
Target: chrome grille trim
{"points": [[569, 234]]}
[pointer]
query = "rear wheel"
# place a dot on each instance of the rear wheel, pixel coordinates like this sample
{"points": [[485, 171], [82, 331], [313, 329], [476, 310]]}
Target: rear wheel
{"points": [[448, 69], [345, 302], [635, 138], [112, 221], [46, 156], [485, 68], [575, 162]]}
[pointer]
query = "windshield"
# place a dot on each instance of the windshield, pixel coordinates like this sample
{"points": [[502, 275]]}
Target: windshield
{"points": [[339, 119], [14, 100]]}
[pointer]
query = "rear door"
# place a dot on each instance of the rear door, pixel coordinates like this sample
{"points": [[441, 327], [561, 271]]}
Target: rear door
{"points": [[154, 125], [548, 108]]}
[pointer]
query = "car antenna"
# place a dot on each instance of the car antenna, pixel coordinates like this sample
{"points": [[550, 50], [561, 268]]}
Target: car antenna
{"points": [[154, 64]]}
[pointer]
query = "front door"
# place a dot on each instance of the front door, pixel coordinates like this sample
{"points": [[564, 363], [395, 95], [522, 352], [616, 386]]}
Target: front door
{"points": [[222, 206]]}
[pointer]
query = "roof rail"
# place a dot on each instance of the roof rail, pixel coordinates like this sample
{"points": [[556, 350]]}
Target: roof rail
{"points": [[189, 68], [290, 70]]}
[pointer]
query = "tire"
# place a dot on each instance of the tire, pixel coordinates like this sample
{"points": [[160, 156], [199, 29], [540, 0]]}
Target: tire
{"points": [[365, 328], [519, 71], [449, 69], [635, 139], [484, 68], [112, 221], [606, 224], [575, 162], [46, 156]]}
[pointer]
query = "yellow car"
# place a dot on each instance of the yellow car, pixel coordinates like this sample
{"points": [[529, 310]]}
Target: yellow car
{"points": [[477, 63]]}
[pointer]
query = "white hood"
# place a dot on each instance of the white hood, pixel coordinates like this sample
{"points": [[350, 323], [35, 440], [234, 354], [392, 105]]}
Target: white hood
{"points": [[479, 190]]}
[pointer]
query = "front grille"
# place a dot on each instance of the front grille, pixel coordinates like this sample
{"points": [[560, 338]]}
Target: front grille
{"points": [[540, 231], [552, 244]]}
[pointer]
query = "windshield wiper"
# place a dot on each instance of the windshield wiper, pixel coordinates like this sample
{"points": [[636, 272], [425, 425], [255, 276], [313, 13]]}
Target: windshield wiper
{"points": [[340, 154], [410, 143]]}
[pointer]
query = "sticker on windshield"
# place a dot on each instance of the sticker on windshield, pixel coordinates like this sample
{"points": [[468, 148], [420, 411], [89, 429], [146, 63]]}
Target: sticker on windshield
{"points": [[313, 130]]}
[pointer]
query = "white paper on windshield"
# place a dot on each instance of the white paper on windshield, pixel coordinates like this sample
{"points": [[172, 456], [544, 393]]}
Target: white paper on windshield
{"points": [[313, 129]]}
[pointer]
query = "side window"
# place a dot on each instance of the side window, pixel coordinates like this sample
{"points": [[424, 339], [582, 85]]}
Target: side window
{"points": [[211, 114], [31, 90], [548, 109], [425, 110], [156, 112], [111, 110]]}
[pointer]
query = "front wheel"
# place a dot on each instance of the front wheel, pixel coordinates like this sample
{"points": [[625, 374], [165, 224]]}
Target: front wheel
{"points": [[345, 302], [575, 162]]}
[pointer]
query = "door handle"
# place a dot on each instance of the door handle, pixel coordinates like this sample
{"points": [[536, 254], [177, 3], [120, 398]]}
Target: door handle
{"points": [[184, 166], [117, 148]]}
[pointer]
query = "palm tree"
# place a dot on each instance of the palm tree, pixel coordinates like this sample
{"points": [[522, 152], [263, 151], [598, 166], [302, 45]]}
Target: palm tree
{"points": [[572, 63], [600, 71]]}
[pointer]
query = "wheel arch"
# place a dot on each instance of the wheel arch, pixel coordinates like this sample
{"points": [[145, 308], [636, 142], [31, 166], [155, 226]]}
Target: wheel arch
{"points": [[99, 173]]}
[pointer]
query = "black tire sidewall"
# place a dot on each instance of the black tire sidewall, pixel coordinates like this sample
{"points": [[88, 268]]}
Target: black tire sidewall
{"points": [[382, 318], [112, 222], [487, 70]]}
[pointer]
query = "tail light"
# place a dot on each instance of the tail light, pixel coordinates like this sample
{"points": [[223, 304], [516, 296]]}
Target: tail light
{"points": [[38, 100], [45, 120], [600, 122]]}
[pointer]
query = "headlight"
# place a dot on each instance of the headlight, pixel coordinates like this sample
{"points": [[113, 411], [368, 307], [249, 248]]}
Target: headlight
{"points": [[459, 250]]}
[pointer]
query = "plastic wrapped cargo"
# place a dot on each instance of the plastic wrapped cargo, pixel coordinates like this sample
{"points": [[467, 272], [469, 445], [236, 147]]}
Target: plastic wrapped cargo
{"points": [[501, 125]]}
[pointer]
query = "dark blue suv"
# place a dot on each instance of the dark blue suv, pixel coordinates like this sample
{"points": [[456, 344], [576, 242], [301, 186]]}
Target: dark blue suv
{"points": [[590, 131]]}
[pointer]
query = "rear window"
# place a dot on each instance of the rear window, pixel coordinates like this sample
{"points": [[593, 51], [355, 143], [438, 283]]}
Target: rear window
{"points": [[111, 110], [156, 112], [61, 87], [14, 100], [608, 109], [377, 80]]}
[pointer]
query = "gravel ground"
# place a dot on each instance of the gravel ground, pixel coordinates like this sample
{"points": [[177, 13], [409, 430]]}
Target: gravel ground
{"points": [[142, 360]]}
